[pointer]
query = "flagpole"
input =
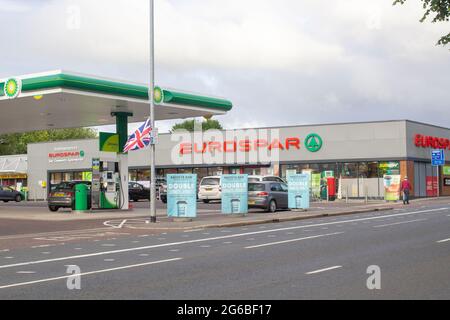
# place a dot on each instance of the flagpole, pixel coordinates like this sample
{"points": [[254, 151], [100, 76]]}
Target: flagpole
{"points": [[152, 116]]}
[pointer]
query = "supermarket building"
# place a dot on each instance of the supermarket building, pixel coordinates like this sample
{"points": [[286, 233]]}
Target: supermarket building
{"points": [[358, 154]]}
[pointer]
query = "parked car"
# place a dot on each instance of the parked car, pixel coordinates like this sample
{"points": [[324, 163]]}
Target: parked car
{"points": [[63, 195], [265, 178], [9, 194], [137, 191], [210, 189], [268, 195]]}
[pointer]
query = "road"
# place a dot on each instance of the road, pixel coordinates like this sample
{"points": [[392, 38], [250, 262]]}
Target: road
{"points": [[325, 258]]}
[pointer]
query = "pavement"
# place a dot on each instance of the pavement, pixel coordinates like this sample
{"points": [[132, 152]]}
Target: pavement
{"points": [[328, 257]]}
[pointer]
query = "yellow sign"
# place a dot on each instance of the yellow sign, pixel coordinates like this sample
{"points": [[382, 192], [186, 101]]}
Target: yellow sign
{"points": [[13, 176]]}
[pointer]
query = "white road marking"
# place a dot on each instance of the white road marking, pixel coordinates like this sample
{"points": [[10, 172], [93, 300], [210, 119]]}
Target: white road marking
{"points": [[171, 244], [144, 236], [26, 272], [109, 260], [205, 246], [46, 252], [144, 255], [324, 270], [108, 245], [442, 241], [78, 249], [4, 250], [135, 241], [228, 242], [174, 250], [292, 240], [9, 257], [397, 223], [89, 273]]}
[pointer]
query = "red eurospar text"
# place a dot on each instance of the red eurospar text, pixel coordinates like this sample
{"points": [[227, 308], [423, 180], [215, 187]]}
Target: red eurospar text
{"points": [[233, 146]]}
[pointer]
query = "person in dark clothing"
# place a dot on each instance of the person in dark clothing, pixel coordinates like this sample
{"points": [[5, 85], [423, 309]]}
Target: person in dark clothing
{"points": [[406, 189]]}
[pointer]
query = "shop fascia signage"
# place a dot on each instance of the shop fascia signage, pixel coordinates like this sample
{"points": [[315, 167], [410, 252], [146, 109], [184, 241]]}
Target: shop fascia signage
{"points": [[423, 141], [66, 154], [313, 143]]}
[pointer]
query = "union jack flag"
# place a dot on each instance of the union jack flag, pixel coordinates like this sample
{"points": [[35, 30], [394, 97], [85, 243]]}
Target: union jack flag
{"points": [[140, 138]]}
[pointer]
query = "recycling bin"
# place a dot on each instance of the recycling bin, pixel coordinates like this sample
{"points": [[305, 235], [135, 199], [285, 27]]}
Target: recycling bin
{"points": [[81, 197]]}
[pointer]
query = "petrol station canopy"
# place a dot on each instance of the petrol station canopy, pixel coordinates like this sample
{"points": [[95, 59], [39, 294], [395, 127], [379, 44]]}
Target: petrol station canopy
{"points": [[60, 99]]}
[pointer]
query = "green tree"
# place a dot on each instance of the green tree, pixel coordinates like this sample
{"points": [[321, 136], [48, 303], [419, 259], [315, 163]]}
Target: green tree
{"points": [[440, 11], [17, 143], [189, 125]]}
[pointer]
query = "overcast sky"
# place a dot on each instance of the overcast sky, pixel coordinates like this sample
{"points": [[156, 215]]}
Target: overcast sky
{"points": [[281, 62]]}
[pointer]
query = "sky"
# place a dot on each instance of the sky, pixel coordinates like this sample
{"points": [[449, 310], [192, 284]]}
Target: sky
{"points": [[281, 62]]}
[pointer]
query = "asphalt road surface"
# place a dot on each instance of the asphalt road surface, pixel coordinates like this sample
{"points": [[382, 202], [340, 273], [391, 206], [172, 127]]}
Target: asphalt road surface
{"points": [[324, 258]]}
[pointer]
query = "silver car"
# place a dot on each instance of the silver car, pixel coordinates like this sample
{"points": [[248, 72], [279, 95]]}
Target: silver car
{"points": [[268, 195]]}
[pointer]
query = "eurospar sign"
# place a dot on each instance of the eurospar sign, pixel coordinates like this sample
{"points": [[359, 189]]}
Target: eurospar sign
{"points": [[423, 141], [240, 146], [66, 154]]}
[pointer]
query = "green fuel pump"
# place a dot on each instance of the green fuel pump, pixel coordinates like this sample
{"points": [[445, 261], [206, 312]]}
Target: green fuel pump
{"points": [[106, 189]]}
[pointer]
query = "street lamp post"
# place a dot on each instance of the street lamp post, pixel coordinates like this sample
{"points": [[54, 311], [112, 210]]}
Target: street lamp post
{"points": [[152, 117]]}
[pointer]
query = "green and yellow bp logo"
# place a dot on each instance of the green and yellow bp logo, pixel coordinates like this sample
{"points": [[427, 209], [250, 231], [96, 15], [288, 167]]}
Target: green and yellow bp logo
{"points": [[12, 88], [158, 96]]}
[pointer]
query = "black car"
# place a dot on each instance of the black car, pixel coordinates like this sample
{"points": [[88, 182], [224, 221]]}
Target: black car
{"points": [[9, 194], [63, 195], [137, 191]]}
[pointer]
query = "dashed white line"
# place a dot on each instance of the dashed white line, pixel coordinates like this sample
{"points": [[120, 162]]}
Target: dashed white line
{"points": [[397, 223], [174, 250], [228, 242], [293, 240], [89, 273], [108, 245], [442, 241], [109, 260], [46, 252], [324, 270], [26, 272], [205, 246], [9, 257]]}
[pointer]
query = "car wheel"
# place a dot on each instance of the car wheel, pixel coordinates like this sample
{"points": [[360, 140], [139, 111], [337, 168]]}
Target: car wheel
{"points": [[206, 201], [6, 201], [18, 198], [272, 206], [53, 208]]}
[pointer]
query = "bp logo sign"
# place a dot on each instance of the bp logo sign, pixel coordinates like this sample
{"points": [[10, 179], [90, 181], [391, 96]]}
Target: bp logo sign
{"points": [[158, 95], [313, 142], [12, 88]]}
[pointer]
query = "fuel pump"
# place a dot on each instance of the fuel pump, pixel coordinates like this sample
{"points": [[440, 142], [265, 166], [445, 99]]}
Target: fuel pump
{"points": [[106, 184]]}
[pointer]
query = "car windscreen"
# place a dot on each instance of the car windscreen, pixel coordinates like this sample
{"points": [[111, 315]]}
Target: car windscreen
{"points": [[211, 182], [64, 186], [256, 187]]}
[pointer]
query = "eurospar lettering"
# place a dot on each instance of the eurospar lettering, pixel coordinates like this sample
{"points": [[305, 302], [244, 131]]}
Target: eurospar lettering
{"points": [[239, 146], [422, 141]]}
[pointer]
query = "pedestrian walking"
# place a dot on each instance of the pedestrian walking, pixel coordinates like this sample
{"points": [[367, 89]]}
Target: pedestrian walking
{"points": [[406, 189]]}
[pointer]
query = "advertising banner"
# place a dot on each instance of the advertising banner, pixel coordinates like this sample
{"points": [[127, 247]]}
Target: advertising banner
{"points": [[446, 170], [392, 185], [298, 186], [234, 193], [109, 142], [432, 186], [182, 195], [315, 185], [390, 168]]}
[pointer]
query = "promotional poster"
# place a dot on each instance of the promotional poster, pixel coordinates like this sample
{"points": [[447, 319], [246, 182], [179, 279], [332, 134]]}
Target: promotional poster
{"points": [[235, 194], [182, 195], [392, 184], [298, 185]]}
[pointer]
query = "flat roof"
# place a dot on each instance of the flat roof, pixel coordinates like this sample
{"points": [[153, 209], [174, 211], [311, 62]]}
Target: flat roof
{"points": [[60, 99]]}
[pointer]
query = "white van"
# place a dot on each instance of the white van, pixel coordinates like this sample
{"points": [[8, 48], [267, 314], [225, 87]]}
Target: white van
{"points": [[210, 189]]}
